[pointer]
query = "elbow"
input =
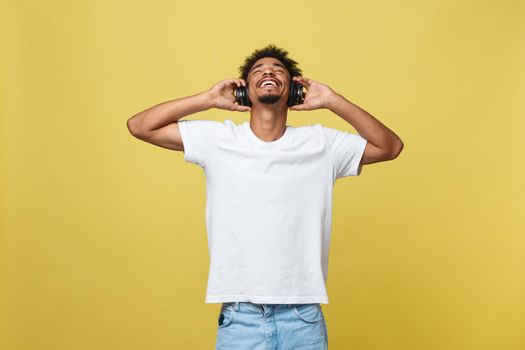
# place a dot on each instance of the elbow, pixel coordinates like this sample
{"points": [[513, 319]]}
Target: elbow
{"points": [[396, 150], [132, 127]]}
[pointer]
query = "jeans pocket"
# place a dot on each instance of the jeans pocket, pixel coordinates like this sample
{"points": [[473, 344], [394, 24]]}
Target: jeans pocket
{"points": [[226, 315], [309, 313]]}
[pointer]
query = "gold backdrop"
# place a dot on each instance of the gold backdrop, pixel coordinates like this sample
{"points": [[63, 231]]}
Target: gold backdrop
{"points": [[103, 241]]}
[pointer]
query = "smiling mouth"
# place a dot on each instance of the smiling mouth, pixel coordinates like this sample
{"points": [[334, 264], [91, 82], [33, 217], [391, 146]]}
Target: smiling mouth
{"points": [[268, 88], [269, 83]]}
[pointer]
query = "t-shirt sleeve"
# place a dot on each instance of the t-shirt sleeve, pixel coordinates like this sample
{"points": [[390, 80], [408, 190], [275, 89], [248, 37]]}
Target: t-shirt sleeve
{"points": [[345, 150], [199, 138]]}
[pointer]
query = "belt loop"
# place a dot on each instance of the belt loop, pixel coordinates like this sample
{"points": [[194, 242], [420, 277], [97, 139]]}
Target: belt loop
{"points": [[237, 306]]}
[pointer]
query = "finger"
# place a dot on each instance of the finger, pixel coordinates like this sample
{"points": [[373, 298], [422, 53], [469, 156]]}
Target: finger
{"points": [[300, 107], [233, 82], [240, 108], [303, 80], [307, 80]]}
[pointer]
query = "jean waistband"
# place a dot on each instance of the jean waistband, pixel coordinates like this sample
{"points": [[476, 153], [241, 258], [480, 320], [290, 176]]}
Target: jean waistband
{"points": [[237, 305]]}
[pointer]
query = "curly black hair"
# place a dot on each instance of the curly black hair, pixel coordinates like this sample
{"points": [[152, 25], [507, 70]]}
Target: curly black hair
{"points": [[270, 51]]}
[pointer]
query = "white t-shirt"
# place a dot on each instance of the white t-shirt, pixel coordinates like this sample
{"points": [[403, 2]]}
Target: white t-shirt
{"points": [[269, 207]]}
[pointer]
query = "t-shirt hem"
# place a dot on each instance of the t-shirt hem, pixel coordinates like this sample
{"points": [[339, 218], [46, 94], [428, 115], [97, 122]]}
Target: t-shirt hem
{"points": [[266, 299]]}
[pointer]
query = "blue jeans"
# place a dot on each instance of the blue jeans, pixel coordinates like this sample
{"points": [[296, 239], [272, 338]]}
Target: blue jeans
{"points": [[249, 326]]}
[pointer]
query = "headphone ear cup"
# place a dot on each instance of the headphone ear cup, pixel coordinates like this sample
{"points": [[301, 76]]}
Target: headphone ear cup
{"points": [[296, 94], [241, 96], [292, 93]]}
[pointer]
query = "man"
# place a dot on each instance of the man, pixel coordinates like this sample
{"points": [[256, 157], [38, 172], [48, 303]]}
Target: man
{"points": [[269, 196]]}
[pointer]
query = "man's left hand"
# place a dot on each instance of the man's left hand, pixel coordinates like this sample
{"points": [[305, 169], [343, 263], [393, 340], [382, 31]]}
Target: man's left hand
{"points": [[317, 95]]}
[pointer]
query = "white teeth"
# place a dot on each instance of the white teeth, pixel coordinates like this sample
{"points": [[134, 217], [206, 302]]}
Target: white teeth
{"points": [[269, 82]]}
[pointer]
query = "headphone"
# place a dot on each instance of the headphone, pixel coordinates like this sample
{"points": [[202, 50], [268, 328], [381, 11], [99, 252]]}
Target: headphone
{"points": [[296, 95]]}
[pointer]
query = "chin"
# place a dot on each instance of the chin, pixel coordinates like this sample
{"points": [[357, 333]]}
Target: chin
{"points": [[269, 99]]}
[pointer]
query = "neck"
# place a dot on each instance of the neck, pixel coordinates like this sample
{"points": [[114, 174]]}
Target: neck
{"points": [[268, 122]]}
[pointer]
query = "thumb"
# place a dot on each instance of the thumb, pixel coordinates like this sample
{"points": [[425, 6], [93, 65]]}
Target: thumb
{"points": [[240, 108], [300, 107]]}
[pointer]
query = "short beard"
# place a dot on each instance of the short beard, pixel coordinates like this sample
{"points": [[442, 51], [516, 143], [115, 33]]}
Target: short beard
{"points": [[268, 99]]}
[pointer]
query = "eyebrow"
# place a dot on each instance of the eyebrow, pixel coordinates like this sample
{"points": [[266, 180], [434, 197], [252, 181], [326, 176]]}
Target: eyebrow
{"points": [[260, 64]]}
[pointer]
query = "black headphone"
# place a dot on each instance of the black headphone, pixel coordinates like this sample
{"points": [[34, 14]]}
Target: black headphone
{"points": [[296, 95]]}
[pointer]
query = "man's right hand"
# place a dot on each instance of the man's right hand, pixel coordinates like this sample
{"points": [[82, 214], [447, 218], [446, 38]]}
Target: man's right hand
{"points": [[222, 95]]}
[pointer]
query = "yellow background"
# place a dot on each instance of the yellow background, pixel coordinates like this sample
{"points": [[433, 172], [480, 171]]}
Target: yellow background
{"points": [[103, 241]]}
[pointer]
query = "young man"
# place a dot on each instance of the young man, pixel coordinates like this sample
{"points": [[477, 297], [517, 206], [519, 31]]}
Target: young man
{"points": [[269, 196]]}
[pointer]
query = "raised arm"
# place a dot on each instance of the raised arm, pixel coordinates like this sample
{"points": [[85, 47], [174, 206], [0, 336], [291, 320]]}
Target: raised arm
{"points": [[158, 124], [383, 144]]}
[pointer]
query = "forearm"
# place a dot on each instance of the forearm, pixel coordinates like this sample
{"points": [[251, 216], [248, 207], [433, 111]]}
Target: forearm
{"points": [[169, 112], [365, 124]]}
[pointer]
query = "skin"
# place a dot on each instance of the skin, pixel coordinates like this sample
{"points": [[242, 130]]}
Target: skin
{"points": [[268, 121], [158, 124]]}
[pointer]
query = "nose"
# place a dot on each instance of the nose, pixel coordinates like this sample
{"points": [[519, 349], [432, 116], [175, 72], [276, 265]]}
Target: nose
{"points": [[268, 71]]}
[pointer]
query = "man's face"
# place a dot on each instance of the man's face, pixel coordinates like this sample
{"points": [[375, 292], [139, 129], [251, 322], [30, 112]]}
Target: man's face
{"points": [[269, 81]]}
